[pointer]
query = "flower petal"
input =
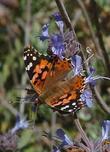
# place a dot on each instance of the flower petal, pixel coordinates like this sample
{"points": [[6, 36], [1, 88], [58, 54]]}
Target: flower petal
{"points": [[90, 79], [44, 34], [57, 45], [55, 149], [105, 129], [59, 21], [86, 96], [92, 70], [61, 134], [20, 124], [77, 64]]}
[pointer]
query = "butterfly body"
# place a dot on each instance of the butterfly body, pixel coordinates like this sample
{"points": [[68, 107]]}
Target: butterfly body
{"points": [[51, 79]]}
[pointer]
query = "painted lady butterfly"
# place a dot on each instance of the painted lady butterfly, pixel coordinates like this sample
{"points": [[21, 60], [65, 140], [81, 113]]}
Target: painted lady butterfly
{"points": [[50, 78]]}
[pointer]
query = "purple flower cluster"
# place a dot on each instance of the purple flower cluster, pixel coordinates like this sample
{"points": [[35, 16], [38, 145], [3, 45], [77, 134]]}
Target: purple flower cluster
{"points": [[66, 143], [64, 44], [9, 140], [60, 43], [21, 123]]}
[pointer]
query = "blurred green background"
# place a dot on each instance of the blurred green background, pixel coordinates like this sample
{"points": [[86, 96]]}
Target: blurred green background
{"points": [[20, 24]]}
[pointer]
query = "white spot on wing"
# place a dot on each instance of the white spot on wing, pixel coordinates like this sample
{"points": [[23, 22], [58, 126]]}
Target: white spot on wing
{"points": [[74, 103], [25, 57], [63, 108], [28, 67], [30, 64], [34, 58], [28, 50]]}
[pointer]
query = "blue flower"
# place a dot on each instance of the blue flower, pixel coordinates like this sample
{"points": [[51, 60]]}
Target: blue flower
{"points": [[63, 43], [44, 34], [57, 45], [55, 149], [86, 97], [20, 124], [59, 21], [76, 61], [56, 42], [106, 129], [66, 142], [91, 79]]}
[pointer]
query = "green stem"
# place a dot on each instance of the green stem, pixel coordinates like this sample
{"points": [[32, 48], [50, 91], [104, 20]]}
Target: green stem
{"points": [[82, 132]]}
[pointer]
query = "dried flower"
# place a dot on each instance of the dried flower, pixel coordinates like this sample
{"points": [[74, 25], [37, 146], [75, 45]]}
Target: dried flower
{"points": [[8, 142]]}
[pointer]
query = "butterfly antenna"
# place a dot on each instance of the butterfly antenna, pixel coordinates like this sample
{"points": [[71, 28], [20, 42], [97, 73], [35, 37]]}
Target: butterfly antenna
{"points": [[100, 77]]}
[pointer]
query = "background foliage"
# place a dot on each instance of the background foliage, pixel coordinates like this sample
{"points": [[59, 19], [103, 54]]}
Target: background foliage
{"points": [[20, 23]]}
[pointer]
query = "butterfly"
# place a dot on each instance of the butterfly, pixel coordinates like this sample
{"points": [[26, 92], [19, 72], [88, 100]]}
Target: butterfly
{"points": [[51, 80]]}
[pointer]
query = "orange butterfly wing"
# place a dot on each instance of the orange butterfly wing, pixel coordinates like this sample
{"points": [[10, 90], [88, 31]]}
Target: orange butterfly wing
{"points": [[37, 67], [50, 78], [44, 70], [64, 96]]}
